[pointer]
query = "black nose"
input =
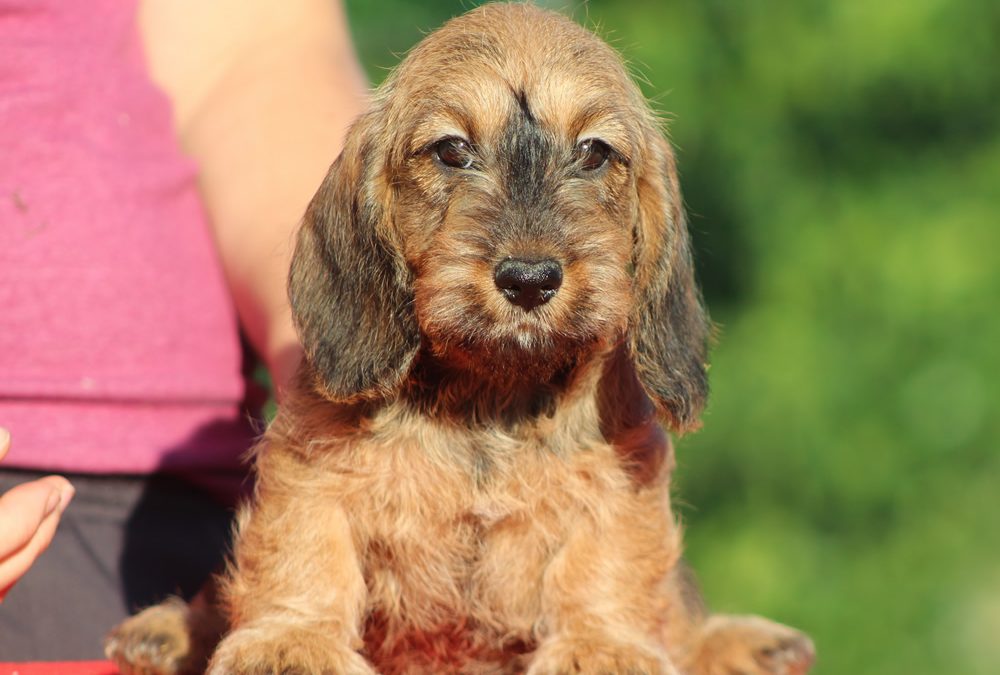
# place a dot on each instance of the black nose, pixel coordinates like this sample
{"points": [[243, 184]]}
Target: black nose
{"points": [[528, 283]]}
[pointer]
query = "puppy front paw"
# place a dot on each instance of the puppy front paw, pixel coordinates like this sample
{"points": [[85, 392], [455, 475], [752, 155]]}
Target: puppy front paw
{"points": [[166, 639], [750, 645], [598, 656], [285, 650]]}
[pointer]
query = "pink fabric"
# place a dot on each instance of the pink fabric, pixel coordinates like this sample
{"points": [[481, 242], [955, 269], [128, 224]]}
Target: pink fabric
{"points": [[119, 348], [60, 668]]}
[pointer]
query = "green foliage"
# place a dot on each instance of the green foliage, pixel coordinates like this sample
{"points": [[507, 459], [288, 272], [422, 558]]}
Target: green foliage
{"points": [[841, 163]]}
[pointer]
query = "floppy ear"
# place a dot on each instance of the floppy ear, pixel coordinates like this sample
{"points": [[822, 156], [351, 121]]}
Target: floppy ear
{"points": [[350, 290], [669, 332]]}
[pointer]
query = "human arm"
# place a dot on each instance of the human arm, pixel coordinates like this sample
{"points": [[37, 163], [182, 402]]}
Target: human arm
{"points": [[263, 93]]}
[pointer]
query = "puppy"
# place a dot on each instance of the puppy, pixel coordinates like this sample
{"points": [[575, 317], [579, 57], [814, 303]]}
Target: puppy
{"points": [[495, 294]]}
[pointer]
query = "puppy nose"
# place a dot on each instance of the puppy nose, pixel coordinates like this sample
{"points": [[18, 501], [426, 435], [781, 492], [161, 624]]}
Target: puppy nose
{"points": [[528, 283]]}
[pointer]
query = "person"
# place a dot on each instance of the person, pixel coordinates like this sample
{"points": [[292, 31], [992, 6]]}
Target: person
{"points": [[157, 157]]}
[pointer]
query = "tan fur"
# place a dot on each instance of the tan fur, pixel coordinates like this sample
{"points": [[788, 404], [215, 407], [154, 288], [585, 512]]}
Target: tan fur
{"points": [[457, 485]]}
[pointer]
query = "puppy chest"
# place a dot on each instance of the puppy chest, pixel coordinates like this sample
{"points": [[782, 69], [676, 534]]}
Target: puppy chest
{"points": [[463, 605], [464, 531], [483, 564]]}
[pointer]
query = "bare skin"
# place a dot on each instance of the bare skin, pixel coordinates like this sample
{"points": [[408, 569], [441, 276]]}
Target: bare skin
{"points": [[29, 514], [263, 94]]}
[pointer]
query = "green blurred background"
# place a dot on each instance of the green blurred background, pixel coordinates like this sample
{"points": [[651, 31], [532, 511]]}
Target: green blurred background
{"points": [[841, 167]]}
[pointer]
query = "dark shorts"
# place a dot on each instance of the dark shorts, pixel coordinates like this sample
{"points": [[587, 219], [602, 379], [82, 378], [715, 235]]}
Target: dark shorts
{"points": [[122, 544]]}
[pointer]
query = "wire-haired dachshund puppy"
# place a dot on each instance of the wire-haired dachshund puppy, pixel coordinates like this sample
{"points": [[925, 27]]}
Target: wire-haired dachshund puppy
{"points": [[495, 294]]}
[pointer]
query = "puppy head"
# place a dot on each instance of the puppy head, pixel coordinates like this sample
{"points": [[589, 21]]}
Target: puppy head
{"points": [[509, 203]]}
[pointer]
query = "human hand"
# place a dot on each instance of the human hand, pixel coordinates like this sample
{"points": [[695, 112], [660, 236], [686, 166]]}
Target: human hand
{"points": [[29, 514]]}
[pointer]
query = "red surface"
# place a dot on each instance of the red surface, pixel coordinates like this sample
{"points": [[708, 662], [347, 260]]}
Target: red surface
{"points": [[59, 668]]}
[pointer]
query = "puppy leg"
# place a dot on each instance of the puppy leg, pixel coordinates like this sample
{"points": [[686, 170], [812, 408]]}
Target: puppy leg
{"points": [[172, 638], [748, 645], [604, 598], [296, 594], [721, 644]]}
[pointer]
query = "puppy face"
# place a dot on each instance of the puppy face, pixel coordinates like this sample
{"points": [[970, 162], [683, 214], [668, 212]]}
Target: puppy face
{"points": [[515, 202], [508, 203]]}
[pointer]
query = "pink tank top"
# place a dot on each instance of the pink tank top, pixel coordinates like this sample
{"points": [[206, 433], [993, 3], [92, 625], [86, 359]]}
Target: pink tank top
{"points": [[119, 347]]}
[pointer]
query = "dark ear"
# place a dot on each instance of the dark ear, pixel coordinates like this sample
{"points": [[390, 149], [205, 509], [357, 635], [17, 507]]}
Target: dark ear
{"points": [[669, 333], [350, 290]]}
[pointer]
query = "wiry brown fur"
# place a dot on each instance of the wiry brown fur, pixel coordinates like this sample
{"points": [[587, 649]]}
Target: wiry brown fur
{"points": [[457, 484]]}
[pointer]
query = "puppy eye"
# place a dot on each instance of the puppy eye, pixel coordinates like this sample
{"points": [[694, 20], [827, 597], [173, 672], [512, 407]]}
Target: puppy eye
{"points": [[592, 154], [454, 152]]}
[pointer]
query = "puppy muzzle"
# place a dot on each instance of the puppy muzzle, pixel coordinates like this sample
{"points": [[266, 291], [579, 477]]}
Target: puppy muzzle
{"points": [[528, 283]]}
